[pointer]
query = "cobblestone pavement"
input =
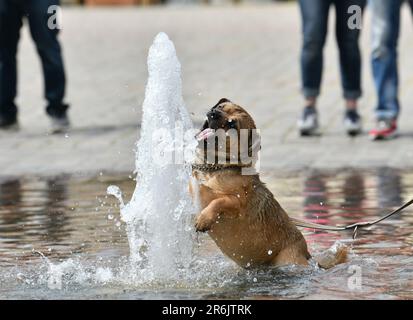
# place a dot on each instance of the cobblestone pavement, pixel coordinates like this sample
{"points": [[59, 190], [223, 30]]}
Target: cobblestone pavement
{"points": [[248, 54]]}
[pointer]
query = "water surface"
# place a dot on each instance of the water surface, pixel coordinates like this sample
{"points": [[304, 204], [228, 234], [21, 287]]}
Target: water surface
{"points": [[62, 237]]}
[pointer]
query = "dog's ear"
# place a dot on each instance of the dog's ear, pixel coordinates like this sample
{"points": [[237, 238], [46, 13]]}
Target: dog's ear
{"points": [[223, 100]]}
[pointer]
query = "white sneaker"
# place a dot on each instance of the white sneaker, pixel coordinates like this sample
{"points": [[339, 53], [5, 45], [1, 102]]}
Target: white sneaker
{"points": [[352, 123], [59, 124], [308, 124]]}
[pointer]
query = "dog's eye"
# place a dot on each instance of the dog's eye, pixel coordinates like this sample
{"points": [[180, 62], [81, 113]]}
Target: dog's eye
{"points": [[232, 124]]}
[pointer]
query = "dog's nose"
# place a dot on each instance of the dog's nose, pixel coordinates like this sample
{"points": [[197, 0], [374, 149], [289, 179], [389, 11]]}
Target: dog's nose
{"points": [[213, 114]]}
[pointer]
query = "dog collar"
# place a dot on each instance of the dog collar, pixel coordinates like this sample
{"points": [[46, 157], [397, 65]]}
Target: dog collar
{"points": [[217, 167]]}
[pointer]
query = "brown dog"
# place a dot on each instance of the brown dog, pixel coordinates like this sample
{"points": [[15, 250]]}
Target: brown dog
{"points": [[238, 211]]}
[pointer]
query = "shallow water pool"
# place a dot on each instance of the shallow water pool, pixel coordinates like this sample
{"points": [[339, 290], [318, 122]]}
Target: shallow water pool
{"points": [[62, 238]]}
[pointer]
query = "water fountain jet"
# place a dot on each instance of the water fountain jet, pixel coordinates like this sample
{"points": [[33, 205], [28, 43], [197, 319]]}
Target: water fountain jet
{"points": [[158, 217]]}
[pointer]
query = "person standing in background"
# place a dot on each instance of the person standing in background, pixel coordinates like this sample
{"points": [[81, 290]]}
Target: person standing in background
{"points": [[314, 27], [385, 35], [44, 34]]}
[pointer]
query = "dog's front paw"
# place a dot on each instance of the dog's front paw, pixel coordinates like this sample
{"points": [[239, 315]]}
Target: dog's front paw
{"points": [[203, 223]]}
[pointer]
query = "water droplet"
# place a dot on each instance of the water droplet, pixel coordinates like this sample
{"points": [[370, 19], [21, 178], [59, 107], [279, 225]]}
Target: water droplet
{"points": [[255, 279], [269, 252]]}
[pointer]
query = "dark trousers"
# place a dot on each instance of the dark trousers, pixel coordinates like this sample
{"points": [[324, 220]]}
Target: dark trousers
{"points": [[315, 22], [45, 38]]}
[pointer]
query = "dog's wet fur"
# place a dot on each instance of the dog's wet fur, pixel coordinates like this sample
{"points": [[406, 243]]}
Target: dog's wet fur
{"points": [[241, 214]]}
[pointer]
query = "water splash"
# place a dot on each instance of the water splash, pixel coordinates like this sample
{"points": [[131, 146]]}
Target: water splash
{"points": [[117, 193], [158, 218]]}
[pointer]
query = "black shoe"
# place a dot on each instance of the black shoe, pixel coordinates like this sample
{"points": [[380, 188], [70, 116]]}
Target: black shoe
{"points": [[352, 122], [308, 124], [8, 123]]}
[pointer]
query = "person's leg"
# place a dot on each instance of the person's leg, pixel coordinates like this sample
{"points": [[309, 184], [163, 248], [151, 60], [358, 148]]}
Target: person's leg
{"points": [[48, 47], [10, 24], [314, 15], [411, 5], [350, 57], [385, 33], [350, 60]]}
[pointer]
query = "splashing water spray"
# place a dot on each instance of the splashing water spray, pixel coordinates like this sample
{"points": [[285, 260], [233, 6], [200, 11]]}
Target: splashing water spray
{"points": [[159, 216]]}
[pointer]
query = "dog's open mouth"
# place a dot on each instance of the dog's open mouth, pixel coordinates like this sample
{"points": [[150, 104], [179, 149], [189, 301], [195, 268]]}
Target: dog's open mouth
{"points": [[205, 134]]}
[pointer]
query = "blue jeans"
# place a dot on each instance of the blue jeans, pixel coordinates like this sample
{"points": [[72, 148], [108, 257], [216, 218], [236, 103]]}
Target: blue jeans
{"points": [[315, 22], [11, 16], [385, 35]]}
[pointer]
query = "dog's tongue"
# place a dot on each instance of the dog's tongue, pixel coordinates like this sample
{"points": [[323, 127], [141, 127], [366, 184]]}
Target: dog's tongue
{"points": [[205, 134]]}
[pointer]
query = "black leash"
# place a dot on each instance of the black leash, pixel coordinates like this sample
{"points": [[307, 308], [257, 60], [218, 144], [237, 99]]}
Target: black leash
{"points": [[354, 226]]}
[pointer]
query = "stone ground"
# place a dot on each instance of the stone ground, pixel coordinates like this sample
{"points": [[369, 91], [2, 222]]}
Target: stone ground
{"points": [[247, 53]]}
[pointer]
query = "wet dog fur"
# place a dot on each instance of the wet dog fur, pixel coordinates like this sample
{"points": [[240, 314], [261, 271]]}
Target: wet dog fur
{"points": [[241, 214]]}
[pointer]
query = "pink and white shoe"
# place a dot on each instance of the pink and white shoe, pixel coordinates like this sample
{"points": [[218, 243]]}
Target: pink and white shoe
{"points": [[385, 130]]}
